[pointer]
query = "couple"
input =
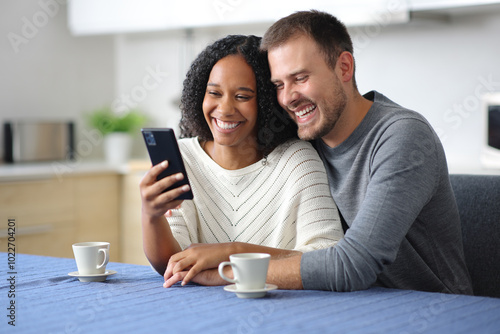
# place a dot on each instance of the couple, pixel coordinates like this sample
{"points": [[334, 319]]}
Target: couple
{"points": [[385, 168]]}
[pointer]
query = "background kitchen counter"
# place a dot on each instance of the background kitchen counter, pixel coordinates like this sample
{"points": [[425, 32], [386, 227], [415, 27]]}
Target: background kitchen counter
{"points": [[57, 169], [56, 204]]}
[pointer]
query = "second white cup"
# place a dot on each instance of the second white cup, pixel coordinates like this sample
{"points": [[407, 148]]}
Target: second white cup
{"points": [[91, 257], [249, 269]]}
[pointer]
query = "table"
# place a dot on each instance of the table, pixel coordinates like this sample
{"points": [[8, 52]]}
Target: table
{"points": [[47, 300]]}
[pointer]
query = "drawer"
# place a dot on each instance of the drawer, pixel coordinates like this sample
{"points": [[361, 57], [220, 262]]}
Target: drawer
{"points": [[40, 202], [49, 240]]}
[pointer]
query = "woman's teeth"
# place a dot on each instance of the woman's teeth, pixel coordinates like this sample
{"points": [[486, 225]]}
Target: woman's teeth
{"points": [[226, 125], [304, 112]]}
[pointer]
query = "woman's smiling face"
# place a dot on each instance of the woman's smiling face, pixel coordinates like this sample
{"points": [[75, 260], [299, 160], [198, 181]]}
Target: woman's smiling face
{"points": [[230, 102]]}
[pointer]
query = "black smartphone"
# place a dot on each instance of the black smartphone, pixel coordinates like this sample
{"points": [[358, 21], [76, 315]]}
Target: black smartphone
{"points": [[162, 145]]}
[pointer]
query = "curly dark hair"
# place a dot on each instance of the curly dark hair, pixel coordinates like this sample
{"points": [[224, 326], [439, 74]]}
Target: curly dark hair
{"points": [[273, 124]]}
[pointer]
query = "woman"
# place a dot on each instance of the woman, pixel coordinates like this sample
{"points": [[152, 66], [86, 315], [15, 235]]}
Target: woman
{"points": [[257, 188]]}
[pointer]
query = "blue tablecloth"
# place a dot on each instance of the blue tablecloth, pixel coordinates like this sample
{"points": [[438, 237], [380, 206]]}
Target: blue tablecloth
{"points": [[47, 300]]}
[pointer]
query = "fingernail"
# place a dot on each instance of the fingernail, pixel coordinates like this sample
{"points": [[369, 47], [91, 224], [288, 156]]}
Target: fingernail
{"points": [[185, 188], [179, 176], [183, 283], [164, 164]]}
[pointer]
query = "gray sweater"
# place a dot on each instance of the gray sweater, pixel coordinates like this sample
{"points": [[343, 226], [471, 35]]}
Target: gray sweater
{"points": [[391, 184]]}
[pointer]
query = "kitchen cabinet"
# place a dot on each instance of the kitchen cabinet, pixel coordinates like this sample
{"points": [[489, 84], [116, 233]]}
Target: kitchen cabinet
{"points": [[91, 17], [131, 232], [50, 213], [447, 4]]}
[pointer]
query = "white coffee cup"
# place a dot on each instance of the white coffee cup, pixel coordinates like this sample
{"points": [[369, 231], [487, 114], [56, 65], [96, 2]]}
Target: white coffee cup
{"points": [[249, 270], [91, 257]]}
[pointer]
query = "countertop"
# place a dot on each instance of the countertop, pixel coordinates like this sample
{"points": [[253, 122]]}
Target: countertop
{"points": [[474, 171], [45, 170], [58, 169]]}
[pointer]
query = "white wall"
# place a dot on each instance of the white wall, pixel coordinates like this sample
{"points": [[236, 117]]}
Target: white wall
{"points": [[48, 74], [168, 55], [438, 69]]}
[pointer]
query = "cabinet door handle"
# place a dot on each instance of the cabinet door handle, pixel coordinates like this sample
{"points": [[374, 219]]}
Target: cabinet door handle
{"points": [[29, 230]]}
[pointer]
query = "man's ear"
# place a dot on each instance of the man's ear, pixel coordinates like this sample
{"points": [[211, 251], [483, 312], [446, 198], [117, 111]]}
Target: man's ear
{"points": [[345, 66]]}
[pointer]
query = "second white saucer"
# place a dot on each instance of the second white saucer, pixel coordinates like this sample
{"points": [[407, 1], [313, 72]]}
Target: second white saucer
{"points": [[94, 277], [258, 293]]}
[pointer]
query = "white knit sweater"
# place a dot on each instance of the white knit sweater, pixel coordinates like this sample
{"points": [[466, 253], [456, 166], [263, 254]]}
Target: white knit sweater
{"points": [[285, 203]]}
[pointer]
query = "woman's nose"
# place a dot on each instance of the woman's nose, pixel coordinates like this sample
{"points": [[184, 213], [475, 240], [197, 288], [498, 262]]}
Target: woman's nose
{"points": [[226, 106]]}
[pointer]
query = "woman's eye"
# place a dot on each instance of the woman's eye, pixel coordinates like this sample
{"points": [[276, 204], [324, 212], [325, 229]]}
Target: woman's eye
{"points": [[243, 97], [213, 93]]}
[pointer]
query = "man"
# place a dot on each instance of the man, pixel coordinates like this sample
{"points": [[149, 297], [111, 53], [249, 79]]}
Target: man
{"points": [[386, 167]]}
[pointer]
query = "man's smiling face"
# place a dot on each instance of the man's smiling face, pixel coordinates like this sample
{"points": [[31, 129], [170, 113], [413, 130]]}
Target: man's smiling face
{"points": [[307, 88]]}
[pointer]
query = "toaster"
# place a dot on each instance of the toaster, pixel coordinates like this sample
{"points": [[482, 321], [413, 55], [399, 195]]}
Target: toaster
{"points": [[38, 140]]}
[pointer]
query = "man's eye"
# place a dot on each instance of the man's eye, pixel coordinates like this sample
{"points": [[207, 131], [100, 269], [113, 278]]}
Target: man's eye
{"points": [[302, 78], [278, 86]]}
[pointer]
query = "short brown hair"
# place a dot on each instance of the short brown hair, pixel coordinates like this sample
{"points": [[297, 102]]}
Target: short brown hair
{"points": [[326, 30]]}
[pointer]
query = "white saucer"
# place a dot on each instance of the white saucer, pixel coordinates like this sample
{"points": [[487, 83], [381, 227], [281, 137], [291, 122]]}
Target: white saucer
{"points": [[94, 277], [250, 293]]}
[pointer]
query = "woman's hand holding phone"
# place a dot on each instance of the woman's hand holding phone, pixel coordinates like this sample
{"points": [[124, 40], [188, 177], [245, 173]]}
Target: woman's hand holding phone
{"points": [[155, 200], [158, 241], [163, 188]]}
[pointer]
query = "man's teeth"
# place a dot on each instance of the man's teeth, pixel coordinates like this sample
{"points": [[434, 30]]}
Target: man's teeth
{"points": [[302, 113], [226, 125]]}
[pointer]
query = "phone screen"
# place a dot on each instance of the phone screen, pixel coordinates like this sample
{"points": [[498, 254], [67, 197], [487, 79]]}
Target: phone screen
{"points": [[162, 145]]}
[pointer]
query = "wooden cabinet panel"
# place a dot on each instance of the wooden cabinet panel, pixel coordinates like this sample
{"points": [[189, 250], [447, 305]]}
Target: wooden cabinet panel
{"points": [[53, 213], [55, 241], [132, 251], [39, 202], [97, 210], [44, 214]]}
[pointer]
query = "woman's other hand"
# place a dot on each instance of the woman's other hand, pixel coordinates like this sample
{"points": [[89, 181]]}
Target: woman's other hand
{"points": [[195, 259]]}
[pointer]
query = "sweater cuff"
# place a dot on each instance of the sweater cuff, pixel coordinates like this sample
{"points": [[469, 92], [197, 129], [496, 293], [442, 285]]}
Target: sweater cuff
{"points": [[313, 270]]}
